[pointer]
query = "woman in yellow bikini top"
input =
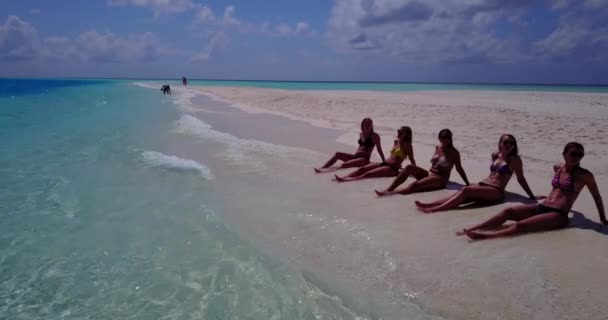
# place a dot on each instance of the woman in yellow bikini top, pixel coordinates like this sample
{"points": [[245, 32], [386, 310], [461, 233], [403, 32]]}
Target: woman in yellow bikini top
{"points": [[397, 152], [389, 168]]}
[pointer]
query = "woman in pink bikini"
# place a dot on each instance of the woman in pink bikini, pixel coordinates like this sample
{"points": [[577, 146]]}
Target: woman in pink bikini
{"points": [[505, 162], [368, 139], [569, 180]]}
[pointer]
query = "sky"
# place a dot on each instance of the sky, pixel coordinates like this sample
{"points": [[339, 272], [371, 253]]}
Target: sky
{"points": [[471, 41]]}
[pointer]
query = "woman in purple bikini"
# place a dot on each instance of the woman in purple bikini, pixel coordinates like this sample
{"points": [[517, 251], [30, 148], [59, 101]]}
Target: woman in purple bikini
{"points": [[505, 162], [368, 139], [552, 213]]}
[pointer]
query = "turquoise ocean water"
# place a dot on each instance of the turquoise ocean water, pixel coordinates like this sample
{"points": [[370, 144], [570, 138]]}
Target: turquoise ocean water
{"points": [[98, 223], [384, 86]]}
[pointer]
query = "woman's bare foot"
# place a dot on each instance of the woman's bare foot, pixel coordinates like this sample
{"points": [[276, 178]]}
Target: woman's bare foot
{"points": [[339, 179], [427, 210], [462, 232], [383, 193], [318, 170], [421, 205], [475, 235]]}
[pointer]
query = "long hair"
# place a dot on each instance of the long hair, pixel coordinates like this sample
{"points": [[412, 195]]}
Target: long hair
{"points": [[515, 151], [367, 120], [408, 131], [448, 131]]}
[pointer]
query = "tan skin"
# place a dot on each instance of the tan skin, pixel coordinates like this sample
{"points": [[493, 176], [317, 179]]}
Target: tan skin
{"points": [[527, 218], [376, 170], [491, 189], [360, 157], [435, 178]]}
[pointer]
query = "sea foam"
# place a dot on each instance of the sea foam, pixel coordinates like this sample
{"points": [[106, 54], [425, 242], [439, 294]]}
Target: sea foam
{"points": [[170, 162]]}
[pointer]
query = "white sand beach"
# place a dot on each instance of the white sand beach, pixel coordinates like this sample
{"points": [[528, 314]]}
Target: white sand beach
{"points": [[384, 247]]}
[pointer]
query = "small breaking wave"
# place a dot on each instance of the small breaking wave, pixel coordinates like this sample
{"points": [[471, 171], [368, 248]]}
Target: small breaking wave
{"points": [[157, 159]]}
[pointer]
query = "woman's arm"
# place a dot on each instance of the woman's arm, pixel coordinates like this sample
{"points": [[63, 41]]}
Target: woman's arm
{"points": [[411, 154], [592, 185], [377, 142], [517, 166], [459, 168]]}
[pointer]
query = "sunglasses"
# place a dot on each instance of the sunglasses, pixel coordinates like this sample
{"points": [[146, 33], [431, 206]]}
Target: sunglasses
{"points": [[577, 154], [445, 137], [508, 142]]}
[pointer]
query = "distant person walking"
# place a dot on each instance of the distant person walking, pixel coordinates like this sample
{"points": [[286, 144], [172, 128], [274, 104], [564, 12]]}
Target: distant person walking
{"points": [[184, 81]]}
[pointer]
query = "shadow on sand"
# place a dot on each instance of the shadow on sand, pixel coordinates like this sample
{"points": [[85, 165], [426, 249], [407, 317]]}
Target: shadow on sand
{"points": [[579, 221]]}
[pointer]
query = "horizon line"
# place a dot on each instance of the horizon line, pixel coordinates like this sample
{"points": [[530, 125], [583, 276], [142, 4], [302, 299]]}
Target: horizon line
{"points": [[320, 81]]}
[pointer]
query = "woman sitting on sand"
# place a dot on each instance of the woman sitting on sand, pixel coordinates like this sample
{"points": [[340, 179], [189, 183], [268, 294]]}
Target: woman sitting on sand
{"points": [[368, 139], [492, 189], [402, 149], [569, 179], [444, 159]]}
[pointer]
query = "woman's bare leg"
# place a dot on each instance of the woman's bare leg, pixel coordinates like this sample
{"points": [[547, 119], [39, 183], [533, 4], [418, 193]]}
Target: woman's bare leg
{"points": [[357, 162], [354, 163], [469, 193], [337, 156], [437, 202], [515, 213], [430, 183], [535, 223], [359, 171], [410, 170], [381, 171]]}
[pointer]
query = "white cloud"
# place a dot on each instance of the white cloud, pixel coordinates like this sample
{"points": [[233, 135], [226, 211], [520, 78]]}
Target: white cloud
{"points": [[229, 16], [205, 15], [570, 4], [229, 22], [58, 49], [560, 4], [303, 29], [109, 47], [157, 6], [595, 4], [574, 39], [19, 40], [285, 30], [431, 31], [217, 40]]}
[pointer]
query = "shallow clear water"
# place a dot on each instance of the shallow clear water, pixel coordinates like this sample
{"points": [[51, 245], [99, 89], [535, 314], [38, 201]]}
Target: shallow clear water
{"points": [[100, 221]]}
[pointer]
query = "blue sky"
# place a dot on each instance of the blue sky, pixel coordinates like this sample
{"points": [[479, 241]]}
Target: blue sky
{"points": [[515, 41]]}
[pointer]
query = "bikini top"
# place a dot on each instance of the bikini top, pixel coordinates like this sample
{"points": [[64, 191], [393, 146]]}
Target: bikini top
{"points": [[440, 161], [397, 152], [504, 168], [369, 143], [566, 184]]}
